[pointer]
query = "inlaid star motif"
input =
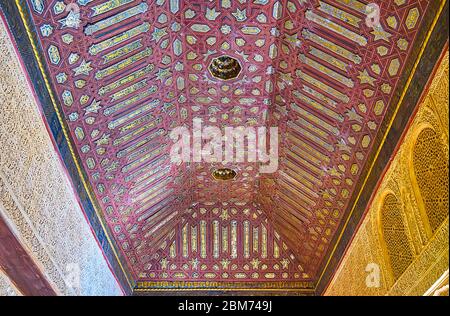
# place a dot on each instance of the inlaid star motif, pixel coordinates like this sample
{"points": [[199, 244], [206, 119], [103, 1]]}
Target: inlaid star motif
{"points": [[225, 263], [72, 20], [113, 167], [255, 263], [285, 263], [195, 263], [164, 263], [104, 140], [93, 108], [286, 78], [225, 29], [236, 110], [381, 34], [334, 172], [240, 15], [163, 74], [353, 116], [326, 194], [211, 14], [158, 34], [364, 77], [386, 88], [83, 69], [275, 32], [243, 55], [224, 216], [293, 39], [342, 145]]}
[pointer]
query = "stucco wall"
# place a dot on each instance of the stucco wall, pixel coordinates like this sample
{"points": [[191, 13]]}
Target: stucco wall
{"points": [[430, 249], [36, 197], [7, 288]]}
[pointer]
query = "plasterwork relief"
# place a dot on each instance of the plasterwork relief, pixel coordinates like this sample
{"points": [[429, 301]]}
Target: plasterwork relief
{"points": [[36, 198], [7, 288], [431, 248]]}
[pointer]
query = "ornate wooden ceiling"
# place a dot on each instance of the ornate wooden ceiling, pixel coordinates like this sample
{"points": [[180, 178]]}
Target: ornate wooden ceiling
{"points": [[335, 79], [123, 73]]}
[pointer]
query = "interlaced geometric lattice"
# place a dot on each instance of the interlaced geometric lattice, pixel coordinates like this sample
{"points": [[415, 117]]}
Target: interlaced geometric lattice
{"points": [[431, 170], [395, 237]]}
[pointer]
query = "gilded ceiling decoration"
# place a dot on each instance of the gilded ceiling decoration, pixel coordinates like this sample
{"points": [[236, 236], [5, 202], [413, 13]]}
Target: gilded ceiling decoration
{"points": [[126, 72], [225, 67], [224, 174], [231, 242]]}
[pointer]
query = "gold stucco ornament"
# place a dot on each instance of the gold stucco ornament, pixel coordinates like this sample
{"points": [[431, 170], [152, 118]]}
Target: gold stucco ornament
{"points": [[224, 174], [225, 68]]}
